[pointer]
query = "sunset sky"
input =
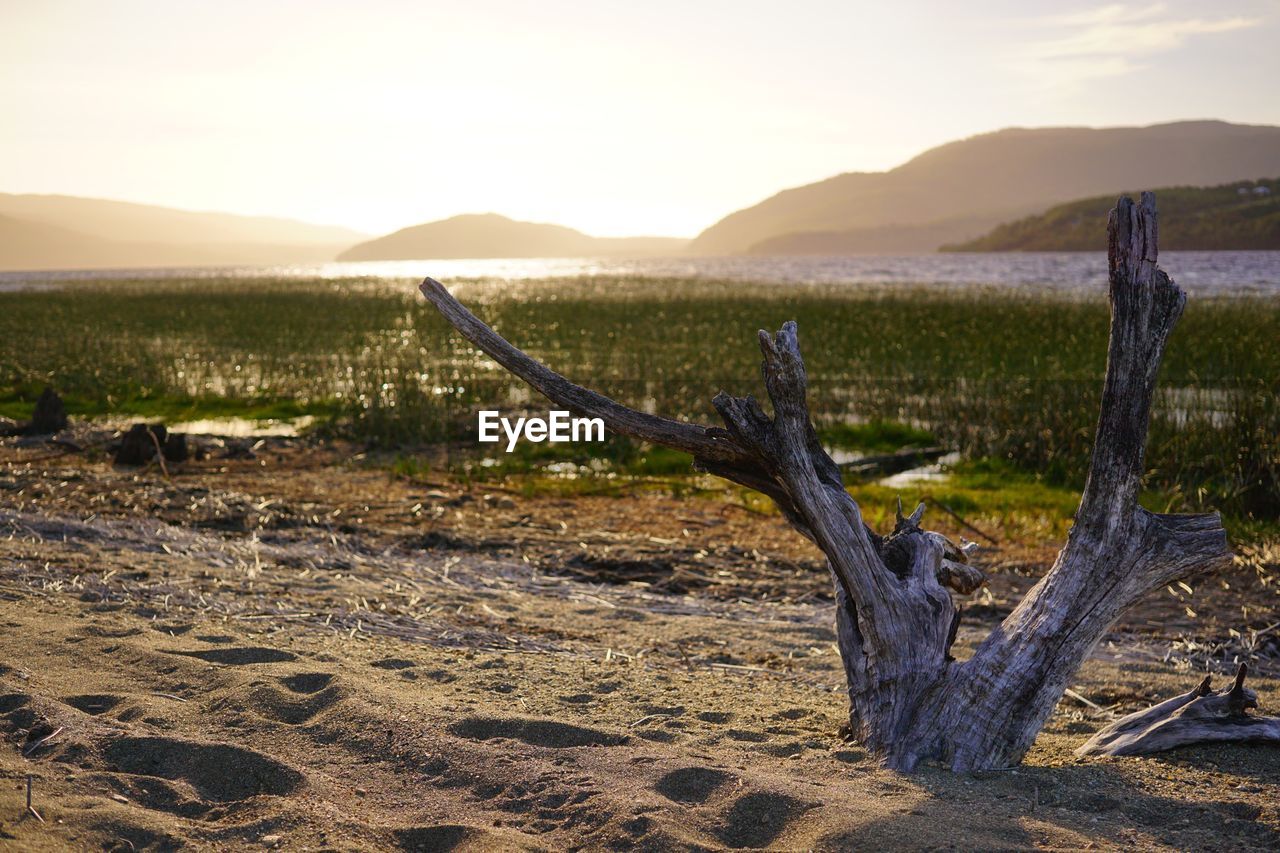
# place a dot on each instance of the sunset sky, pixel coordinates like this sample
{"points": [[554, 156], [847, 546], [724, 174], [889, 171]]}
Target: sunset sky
{"points": [[611, 117]]}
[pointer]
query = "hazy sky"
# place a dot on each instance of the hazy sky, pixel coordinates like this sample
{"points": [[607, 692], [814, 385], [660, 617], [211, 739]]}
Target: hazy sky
{"points": [[613, 117]]}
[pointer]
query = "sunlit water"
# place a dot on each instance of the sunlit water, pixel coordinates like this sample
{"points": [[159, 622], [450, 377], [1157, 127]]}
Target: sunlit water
{"points": [[1199, 272], [244, 427]]}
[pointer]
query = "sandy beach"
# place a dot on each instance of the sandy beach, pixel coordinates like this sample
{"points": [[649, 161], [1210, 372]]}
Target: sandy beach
{"points": [[332, 658]]}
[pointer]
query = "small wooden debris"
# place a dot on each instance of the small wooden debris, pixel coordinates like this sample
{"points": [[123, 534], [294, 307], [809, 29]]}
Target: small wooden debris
{"points": [[1200, 716], [1084, 700], [33, 747], [31, 809]]}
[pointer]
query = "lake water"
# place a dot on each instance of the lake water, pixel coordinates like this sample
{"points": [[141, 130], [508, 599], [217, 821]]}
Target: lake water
{"points": [[1201, 273]]}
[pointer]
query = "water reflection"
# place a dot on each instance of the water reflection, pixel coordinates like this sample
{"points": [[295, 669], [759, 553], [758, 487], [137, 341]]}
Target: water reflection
{"points": [[1198, 272], [244, 427]]}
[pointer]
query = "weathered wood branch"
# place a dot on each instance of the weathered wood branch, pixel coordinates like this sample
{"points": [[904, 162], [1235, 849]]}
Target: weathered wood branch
{"points": [[702, 442], [1116, 552], [713, 449], [1145, 306], [895, 620], [1200, 716]]}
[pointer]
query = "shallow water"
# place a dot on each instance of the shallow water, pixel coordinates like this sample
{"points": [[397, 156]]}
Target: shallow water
{"points": [[1199, 272], [243, 427], [935, 473]]}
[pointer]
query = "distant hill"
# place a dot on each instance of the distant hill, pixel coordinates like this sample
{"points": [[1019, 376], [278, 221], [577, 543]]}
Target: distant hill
{"points": [[28, 245], [488, 235], [877, 239], [1239, 215], [960, 190], [66, 232]]}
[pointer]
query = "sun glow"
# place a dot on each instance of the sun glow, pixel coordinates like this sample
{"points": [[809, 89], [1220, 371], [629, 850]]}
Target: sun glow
{"points": [[617, 119]]}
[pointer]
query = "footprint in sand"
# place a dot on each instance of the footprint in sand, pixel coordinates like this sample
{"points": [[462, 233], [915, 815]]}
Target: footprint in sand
{"points": [[547, 733], [757, 819], [657, 735], [307, 682], [447, 836], [307, 695], [792, 713], [393, 663], [18, 713], [218, 772], [94, 703], [747, 735], [440, 676], [129, 836], [457, 838], [715, 717], [241, 656], [152, 792], [692, 785], [13, 701]]}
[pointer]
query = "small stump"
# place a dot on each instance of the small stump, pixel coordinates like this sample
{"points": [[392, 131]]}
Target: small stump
{"points": [[144, 442], [50, 415]]}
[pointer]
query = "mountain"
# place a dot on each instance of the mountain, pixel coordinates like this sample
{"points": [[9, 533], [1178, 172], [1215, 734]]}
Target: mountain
{"points": [[488, 235], [876, 239], [960, 190], [27, 245], [66, 232], [1239, 215]]}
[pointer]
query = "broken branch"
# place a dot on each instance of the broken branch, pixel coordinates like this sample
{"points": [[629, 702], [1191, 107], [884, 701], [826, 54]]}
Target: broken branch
{"points": [[1200, 716]]}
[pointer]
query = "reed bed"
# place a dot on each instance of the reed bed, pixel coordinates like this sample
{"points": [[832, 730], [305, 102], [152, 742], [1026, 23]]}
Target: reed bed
{"points": [[995, 374]]}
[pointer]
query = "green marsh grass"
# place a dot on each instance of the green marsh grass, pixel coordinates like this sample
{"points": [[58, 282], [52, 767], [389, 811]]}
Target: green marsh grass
{"points": [[1007, 376]]}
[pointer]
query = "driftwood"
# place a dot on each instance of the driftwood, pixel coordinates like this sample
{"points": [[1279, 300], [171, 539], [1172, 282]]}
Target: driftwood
{"points": [[1200, 716], [910, 701]]}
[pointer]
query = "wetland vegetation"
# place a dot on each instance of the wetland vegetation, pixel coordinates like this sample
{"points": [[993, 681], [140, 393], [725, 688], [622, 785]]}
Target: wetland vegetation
{"points": [[1012, 381]]}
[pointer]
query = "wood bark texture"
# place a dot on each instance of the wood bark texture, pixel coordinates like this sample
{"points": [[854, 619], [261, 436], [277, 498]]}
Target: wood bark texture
{"points": [[909, 699], [1200, 716]]}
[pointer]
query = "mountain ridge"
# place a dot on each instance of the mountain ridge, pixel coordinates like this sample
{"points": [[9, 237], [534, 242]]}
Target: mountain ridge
{"points": [[946, 196], [52, 231], [990, 178]]}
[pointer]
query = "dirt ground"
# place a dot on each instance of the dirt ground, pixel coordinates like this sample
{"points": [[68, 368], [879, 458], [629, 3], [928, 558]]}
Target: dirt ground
{"points": [[284, 646]]}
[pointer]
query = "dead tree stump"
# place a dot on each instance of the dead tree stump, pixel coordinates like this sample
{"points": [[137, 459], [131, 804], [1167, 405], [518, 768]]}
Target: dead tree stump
{"points": [[909, 699], [50, 414], [144, 443]]}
